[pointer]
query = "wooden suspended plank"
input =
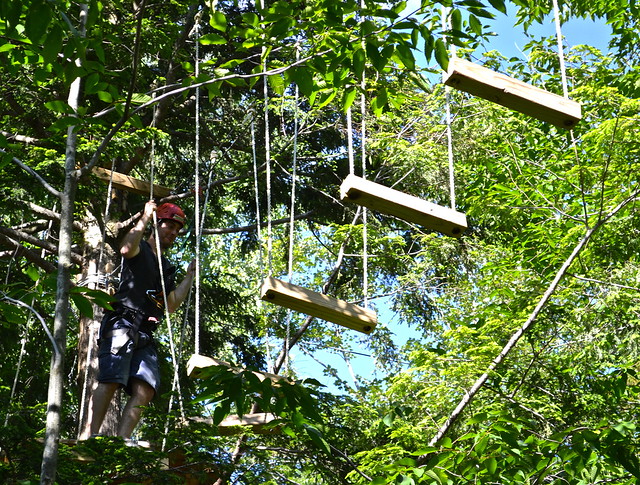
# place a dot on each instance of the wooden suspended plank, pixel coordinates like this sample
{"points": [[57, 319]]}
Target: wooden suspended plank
{"points": [[318, 305], [407, 207], [199, 362], [130, 184], [233, 424], [512, 93]]}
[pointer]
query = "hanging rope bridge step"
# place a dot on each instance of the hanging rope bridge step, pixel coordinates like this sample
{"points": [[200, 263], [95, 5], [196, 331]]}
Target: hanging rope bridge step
{"points": [[512, 93], [199, 362], [130, 184], [318, 305], [231, 425], [407, 207]]}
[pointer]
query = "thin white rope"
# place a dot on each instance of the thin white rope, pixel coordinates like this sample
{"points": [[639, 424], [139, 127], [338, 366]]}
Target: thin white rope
{"points": [[292, 211], [259, 233], [267, 154], [448, 120], [363, 144], [197, 195], [563, 73], [350, 142]]}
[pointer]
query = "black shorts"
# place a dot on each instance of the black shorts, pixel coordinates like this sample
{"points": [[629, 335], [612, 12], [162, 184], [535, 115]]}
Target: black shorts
{"points": [[119, 359]]}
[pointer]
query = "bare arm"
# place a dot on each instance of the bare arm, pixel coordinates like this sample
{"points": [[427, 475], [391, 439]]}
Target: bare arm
{"points": [[177, 296], [130, 246]]}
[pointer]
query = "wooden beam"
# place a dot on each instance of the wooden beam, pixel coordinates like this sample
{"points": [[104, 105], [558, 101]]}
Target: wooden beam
{"points": [[512, 93], [407, 207], [130, 184], [233, 424], [318, 305], [199, 362]]}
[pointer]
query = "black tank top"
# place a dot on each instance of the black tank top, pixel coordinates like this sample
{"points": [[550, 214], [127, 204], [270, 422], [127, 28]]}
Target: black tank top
{"points": [[140, 286]]}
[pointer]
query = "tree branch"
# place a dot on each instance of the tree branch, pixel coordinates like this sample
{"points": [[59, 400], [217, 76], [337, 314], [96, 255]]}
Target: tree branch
{"points": [[36, 175], [466, 400], [20, 250], [23, 236]]}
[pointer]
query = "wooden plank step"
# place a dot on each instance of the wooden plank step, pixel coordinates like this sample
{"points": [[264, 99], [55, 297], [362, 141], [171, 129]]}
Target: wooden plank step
{"points": [[512, 93], [407, 207], [318, 305], [233, 424], [130, 184], [199, 362]]}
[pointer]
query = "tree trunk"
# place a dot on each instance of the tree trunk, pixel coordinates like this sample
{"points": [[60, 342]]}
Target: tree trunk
{"points": [[99, 265], [57, 375]]}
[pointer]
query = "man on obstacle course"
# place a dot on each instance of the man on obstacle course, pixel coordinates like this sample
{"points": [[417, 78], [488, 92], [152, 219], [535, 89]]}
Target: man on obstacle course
{"points": [[127, 354]]}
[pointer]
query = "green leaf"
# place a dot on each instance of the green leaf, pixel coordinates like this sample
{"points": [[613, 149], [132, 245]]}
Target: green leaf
{"points": [[475, 24], [251, 19], [304, 79], [105, 96], [212, 39], [491, 464], [348, 97], [406, 56], [442, 56], [499, 6], [218, 21], [59, 106], [7, 47], [83, 304], [33, 273], [52, 45], [37, 21], [139, 98], [358, 60], [456, 19], [277, 84], [318, 439]]}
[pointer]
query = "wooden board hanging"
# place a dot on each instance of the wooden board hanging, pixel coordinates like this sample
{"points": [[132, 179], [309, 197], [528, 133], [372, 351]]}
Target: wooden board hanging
{"points": [[318, 305], [407, 207], [130, 184], [512, 93], [234, 424]]}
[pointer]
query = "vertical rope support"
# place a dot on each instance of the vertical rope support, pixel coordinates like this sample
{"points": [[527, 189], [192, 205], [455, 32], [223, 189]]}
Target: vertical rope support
{"points": [[363, 145], [563, 74], [350, 142], [292, 211], [197, 194], [447, 97]]}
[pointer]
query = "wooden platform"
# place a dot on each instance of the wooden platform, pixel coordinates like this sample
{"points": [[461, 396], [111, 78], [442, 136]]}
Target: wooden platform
{"points": [[130, 184], [407, 207], [232, 425], [318, 305], [199, 362], [512, 93]]}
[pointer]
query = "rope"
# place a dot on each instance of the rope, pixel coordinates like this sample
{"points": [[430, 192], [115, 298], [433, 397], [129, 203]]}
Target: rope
{"points": [[350, 142], [448, 120], [259, 230], [563, 74], [267, 149], [197, 189], [293, 208]]}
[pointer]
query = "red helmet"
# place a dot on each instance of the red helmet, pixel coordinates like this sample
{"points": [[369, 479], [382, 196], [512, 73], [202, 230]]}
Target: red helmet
{"points": [[171, 211]]}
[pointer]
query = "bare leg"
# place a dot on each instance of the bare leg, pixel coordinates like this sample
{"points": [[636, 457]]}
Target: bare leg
{"points": [[100, 400], [141, 395]]}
